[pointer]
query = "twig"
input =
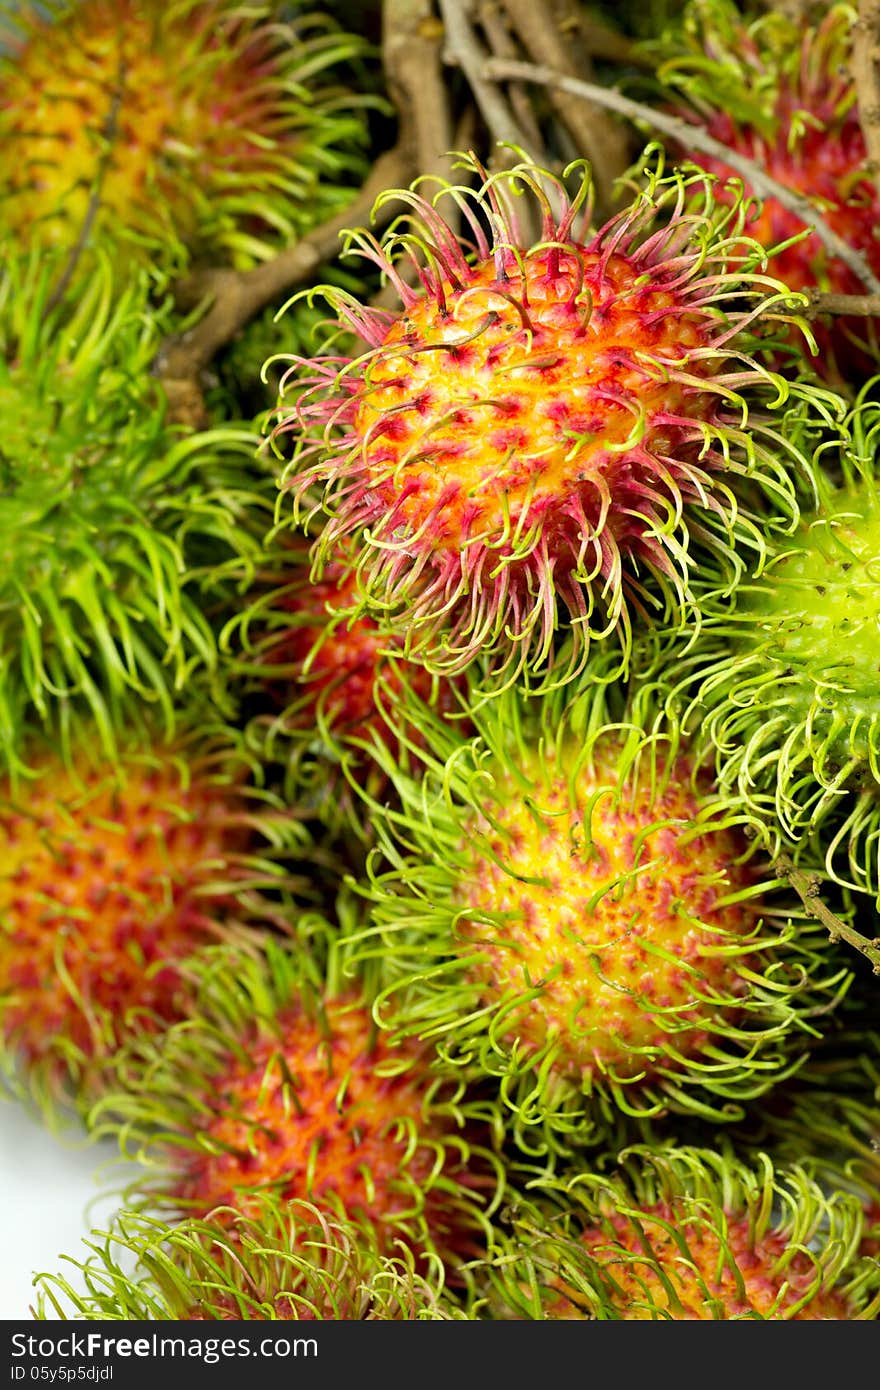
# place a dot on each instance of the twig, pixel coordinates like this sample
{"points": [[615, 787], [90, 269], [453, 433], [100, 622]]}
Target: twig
{"points": [[464, 48], [412, 50], [502, 69], [595, 134], [609, 46], [108, 135], [502, 45], [235, 295], [865, 59], [808, 886], [855, 305]]}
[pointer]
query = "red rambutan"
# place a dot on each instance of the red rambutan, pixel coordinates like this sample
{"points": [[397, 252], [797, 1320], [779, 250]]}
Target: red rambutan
{"points": [[112, 877], [546, 426], [332, 682], [783, 96], [571, 906], [280, 1086], [682, 1233]]}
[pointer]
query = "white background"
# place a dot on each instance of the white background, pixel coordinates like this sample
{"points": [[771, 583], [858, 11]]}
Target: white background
{"points": [[47, 1184]]}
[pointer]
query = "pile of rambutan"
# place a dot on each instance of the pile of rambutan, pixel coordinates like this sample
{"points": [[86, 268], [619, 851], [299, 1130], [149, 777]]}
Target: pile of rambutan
{"points": [[440, 777]]}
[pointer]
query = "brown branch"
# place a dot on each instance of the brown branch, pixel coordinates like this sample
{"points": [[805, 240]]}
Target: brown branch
{"points": [[856, 305], [808, 887], [606, 44], [464, 48], [597, 137], [866, 76], [412, 50], [235, 296], [502, 69], [502, 45]]}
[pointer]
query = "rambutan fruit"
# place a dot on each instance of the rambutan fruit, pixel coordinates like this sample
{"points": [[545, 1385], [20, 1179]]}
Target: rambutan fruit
{"points": [[202, 128], [546, 427], [113, 875], [566, 902], [328, 682], [780, 684], [280, 1085], [685, 1233], [780, 92], [112, 521], [290, 1261]]}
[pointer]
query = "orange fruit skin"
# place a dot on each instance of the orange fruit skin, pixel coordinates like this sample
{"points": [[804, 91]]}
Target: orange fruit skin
{"points": [[102, 883], [530, 416], [747, 1276], [312, 1115], [617, 913]]}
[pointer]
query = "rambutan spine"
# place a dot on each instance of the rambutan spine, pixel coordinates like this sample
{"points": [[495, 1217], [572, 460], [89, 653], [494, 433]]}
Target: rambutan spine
{"points": [[684, 1232], [781, 92], [115, 524], [290, 1261], [779, 685]]}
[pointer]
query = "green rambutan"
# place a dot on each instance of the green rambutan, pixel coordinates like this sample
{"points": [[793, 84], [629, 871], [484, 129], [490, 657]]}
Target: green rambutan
{"points": [[113, 874], [280, 1085], [546, 427], [779, 685], [164, 131], [112, 521], [566, 902], [684, 1233], [290, 1261], [781, 92]]}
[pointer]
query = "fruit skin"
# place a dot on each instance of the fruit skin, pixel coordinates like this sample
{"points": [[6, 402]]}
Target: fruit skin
{"points": [[780, 92], [114, 524], [280, 1083], [113, 876], [200, 128], [566, 904], [779, 685], [544, 431], [686, 1233], [288, 1262]]}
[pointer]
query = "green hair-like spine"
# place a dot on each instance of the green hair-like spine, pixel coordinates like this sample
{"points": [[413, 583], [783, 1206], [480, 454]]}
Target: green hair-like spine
{"points": [[289, 1262], [113, 522], [778, 684], [678, 1193]]}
